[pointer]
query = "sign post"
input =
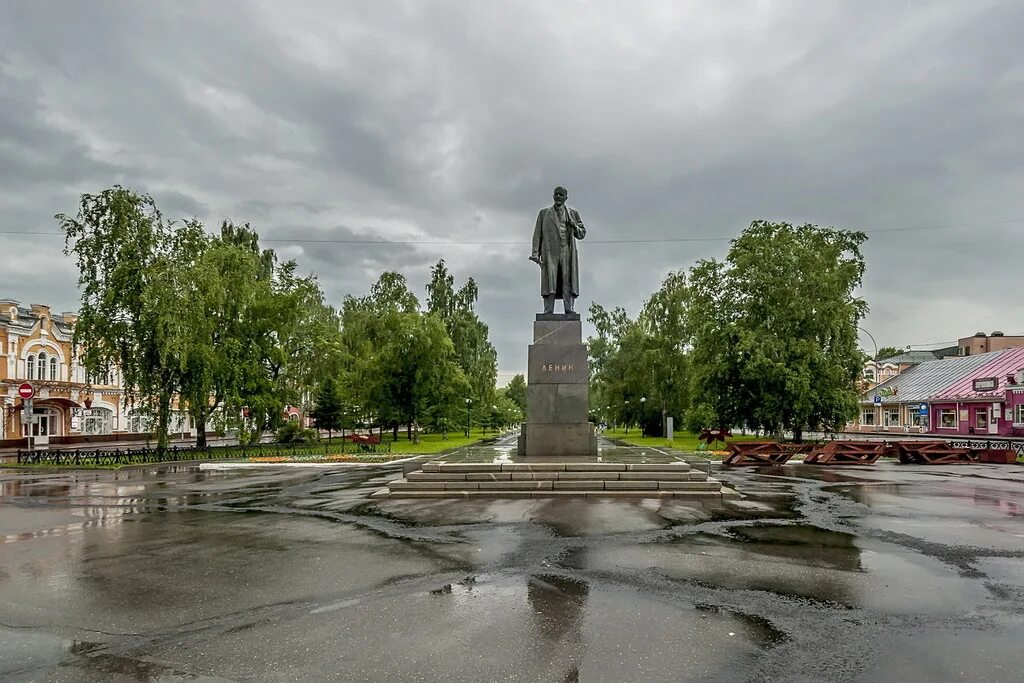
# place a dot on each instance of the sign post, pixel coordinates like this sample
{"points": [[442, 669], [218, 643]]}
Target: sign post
{"points": [[26, 391], [878, 400]]}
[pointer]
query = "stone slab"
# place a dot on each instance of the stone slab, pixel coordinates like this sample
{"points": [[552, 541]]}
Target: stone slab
{"points": [[595, 467], [557, 316], [579, 485], [558, 439], [580, 476], [631, 485], [429, 494], [557, 403], [636, 493], [513, 485], [657, 467], [659, 476], [532, 466], [557, 364], [461, 485], [689, 486], [500, 494], [558, 494], [403, 484], [530, 476], [567, 332], [435, 476], [429, 467], [468, 467], [488, 476]]}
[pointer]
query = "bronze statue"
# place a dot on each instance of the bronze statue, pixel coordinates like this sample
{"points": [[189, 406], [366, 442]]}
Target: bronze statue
{"points": [[554, 250]]}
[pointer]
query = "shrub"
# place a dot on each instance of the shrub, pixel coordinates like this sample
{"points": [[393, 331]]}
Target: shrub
{"points": [[293, 432]]}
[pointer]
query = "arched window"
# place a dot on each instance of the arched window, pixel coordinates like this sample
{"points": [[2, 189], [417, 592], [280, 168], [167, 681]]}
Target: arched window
{"points": [[41, 373], [869, 374], [53, 368], [31, 366]]}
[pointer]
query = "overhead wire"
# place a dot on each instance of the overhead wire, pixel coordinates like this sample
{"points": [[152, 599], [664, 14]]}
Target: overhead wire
{"points": [[638, 240]]}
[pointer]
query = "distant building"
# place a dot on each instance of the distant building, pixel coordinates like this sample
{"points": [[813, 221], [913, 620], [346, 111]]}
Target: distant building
{"points": [[36, 347], [987, 343], [966, 395]]}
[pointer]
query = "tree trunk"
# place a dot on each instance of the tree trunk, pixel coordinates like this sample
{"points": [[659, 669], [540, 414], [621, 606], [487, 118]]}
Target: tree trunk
{"points": [[798, 435], [163, 418], [394, 432], [200, 420], [408, 431]]}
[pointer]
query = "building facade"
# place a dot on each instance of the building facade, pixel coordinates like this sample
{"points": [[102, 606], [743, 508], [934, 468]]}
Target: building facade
{"points": [[967, 395], [37, 348]]}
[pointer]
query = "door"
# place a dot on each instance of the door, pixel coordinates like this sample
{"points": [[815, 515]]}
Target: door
{"points": [[993, 420]]}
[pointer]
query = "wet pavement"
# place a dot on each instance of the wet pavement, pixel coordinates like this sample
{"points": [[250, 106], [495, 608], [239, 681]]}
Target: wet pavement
{"points": [[885, 573]]}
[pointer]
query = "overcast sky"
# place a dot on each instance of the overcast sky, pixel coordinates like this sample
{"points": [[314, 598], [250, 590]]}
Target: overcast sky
{"points": [[451, 121]]}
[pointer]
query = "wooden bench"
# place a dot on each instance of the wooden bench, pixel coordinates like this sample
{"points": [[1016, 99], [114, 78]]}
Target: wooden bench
{"points": [[847, 453], [913, 451]]}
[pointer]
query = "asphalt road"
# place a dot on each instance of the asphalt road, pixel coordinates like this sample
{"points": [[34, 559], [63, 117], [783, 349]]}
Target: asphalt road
{"points": [[891, 573]]}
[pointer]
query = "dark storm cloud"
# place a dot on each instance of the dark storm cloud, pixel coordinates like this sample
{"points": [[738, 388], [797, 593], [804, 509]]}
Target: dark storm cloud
{"points": [[452, 121]]}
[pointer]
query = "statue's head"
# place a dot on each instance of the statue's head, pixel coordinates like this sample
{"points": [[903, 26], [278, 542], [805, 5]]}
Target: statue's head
{"points": [[560, 195]]}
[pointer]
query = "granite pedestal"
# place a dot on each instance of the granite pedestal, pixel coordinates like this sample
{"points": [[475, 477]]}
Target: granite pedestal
{"points": [[557, 391]]}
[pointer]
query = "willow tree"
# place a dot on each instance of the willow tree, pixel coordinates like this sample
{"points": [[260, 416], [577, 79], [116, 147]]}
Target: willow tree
{"points": [[122, 246]]}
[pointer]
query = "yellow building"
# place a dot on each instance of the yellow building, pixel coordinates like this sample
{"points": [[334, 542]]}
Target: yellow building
{"points": [[37, 348]]}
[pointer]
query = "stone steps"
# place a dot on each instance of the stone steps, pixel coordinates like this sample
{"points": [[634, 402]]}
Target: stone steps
{"points": [[555, 479]]}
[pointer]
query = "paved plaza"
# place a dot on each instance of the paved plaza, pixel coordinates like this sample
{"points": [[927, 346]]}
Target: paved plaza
{"points": [[884, 573]]}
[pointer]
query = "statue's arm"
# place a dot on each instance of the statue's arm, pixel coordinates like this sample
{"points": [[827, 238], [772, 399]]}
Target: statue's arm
{"points": [[535, 254], [580, 230]]}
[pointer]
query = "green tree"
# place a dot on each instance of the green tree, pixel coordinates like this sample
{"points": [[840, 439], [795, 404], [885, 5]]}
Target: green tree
{"points": [[470, 336], [516, 393], [888, 352], [328, 409], [776, 328], [121, 245]]}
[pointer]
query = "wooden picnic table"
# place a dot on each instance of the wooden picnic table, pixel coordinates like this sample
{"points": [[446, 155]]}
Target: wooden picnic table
{"points": [[742, 453], [912, 451], [847, 453]]}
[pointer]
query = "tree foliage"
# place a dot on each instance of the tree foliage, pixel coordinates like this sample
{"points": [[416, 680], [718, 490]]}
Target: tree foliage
{"points": [[208, 324], [766, 338]]}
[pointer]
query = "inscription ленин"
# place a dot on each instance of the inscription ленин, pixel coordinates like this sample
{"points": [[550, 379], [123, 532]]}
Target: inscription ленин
{"points": [[555, 367]]}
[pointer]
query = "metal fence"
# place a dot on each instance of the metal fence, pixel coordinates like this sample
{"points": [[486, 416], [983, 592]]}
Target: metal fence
{"points": [[132, 456]]}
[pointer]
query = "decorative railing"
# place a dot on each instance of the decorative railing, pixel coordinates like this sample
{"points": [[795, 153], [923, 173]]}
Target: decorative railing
{"points": [[134, 456]]}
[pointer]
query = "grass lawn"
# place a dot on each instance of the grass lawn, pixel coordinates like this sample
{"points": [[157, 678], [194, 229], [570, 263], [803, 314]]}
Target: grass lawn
{"points": [[683, 441], [433, 443]]}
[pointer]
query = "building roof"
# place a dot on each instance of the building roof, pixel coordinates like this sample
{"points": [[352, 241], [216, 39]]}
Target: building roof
{"points": [[922, 381], [909, 358], [1001, 364]]}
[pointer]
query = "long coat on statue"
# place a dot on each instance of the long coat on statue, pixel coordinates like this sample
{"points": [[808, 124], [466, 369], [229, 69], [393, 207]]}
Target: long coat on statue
{"points": [[547, 250]]}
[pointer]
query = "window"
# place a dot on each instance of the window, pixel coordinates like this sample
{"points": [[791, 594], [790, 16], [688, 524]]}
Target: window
{"points": [[891, 417], [53, 369], [41, 373], [31, 366], [981, 418], [1020, 414], [867, 417], [913, 416], [869, 374], [947, 418]]}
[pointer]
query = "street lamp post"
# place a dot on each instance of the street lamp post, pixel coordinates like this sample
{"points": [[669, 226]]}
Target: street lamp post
{"points": [[469, 401], [625, 416], [643, 427]]}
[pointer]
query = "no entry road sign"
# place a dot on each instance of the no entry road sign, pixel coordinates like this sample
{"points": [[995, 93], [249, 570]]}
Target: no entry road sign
{"points": [[26, 390]]}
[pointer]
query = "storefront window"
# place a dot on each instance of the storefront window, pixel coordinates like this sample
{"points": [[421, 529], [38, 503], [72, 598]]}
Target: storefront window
{"points": [[892, 417], [867, 417], [981, 418], [913, 417], [947, 418]]}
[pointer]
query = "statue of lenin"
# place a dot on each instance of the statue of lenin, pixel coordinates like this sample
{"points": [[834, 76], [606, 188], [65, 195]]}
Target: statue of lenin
{"points": [[554, 250]]}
